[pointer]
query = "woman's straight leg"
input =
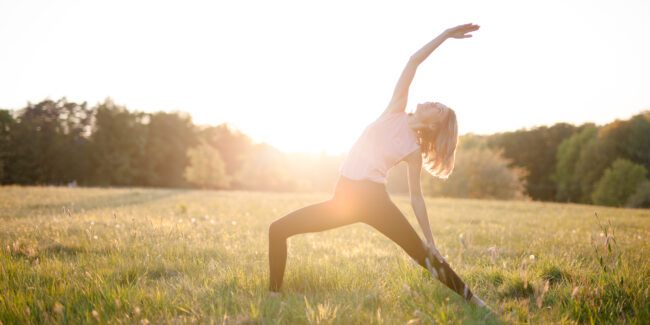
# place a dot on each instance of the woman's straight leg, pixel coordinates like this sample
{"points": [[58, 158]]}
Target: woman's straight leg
{"points": [[317, 217], [389, 220]]}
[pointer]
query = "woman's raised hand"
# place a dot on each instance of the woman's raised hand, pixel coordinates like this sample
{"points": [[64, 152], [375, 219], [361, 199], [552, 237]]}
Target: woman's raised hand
{"points": [[461, 31]]}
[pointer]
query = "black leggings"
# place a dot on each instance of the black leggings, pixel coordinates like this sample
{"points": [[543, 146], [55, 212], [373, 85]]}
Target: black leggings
{"points": [[355, 201]]}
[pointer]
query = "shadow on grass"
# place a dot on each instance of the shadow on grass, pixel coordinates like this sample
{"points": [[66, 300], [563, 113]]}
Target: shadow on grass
{"points": [[58, 249], [102, 201]]}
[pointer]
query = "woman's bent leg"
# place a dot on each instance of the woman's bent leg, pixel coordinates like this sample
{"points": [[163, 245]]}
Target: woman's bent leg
{"points": [[390, 221], [313, 218]]}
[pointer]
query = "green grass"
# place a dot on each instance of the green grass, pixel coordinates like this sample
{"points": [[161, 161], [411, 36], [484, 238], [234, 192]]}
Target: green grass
{"points": [[158, 256]]}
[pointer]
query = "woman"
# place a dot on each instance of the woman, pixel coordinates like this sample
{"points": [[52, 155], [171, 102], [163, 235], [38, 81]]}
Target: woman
{"points": [[430, 134]]}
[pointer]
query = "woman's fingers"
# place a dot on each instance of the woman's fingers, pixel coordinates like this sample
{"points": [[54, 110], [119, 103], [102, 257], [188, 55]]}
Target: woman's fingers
{"points": [[461, 31], [434, 251]]}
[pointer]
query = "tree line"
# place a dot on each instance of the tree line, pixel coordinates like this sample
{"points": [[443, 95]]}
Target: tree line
{"points": [[61, 142], [605, 165]]}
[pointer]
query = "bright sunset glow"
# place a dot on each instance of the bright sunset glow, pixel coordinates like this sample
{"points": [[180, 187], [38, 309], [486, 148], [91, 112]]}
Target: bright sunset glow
{"points": [[306, 76]]}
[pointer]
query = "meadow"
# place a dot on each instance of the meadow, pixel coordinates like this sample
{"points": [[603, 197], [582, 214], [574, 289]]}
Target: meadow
{"points": [[136, 255]]}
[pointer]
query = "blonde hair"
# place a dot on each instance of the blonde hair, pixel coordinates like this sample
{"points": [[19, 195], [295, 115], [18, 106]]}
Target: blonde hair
{"points": [[438, 146]]}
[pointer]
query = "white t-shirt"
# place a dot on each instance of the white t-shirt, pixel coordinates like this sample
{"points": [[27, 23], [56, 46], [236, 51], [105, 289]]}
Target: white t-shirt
{"points": [[383, 144]]}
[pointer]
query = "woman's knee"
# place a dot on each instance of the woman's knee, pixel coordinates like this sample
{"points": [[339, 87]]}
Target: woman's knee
{"points": [[276, 231]]}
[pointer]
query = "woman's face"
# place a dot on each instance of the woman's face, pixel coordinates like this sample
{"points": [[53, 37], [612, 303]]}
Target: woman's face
{"points": [[432, 112]]}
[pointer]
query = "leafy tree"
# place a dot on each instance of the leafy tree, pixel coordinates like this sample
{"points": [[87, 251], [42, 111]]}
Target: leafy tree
{"points": [[534, 150], [6, 125], [117, 145], [636, 143], [568, 154], [48, 143], [618, 183], [206, 167], [234, 146], [479, 172], [169, 135], [628, 139], [640, 198]]}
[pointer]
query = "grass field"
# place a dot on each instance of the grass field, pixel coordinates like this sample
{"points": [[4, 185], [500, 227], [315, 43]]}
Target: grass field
{"points": [[88, 255]]}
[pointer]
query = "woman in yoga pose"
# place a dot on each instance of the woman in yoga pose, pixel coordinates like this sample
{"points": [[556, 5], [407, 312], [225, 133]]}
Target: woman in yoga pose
{"points": [[430, 135]]}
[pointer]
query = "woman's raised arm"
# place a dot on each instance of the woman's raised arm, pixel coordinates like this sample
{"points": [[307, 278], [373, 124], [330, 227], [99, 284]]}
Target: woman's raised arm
{"points": [[400, 94]]}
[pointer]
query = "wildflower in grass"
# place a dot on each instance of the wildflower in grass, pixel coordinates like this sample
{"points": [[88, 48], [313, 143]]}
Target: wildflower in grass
{"points": [[602, 234], [522, 272], [58, 308], [541, 292], [95, 237], [95, 314], [92, 222], [144, 321], [406, 289], [532, 257], [574, 293], [493, 254], [193, 220], [137, 310], [212, 221]]}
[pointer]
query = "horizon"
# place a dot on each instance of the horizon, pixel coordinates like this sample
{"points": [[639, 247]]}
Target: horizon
{"points": [[289, 64], [321, 152]]}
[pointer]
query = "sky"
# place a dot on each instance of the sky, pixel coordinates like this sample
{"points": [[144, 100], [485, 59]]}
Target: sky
{"points": [[307, 76]]}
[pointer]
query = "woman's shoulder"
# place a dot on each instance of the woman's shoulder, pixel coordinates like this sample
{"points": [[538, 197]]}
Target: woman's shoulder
{"points": [[388, 118]]}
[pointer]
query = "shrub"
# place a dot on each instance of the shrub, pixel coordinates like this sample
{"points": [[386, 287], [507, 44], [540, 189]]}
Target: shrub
{"points": [[480, 173], [640, 198], [618, 183], [206, 167]]}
